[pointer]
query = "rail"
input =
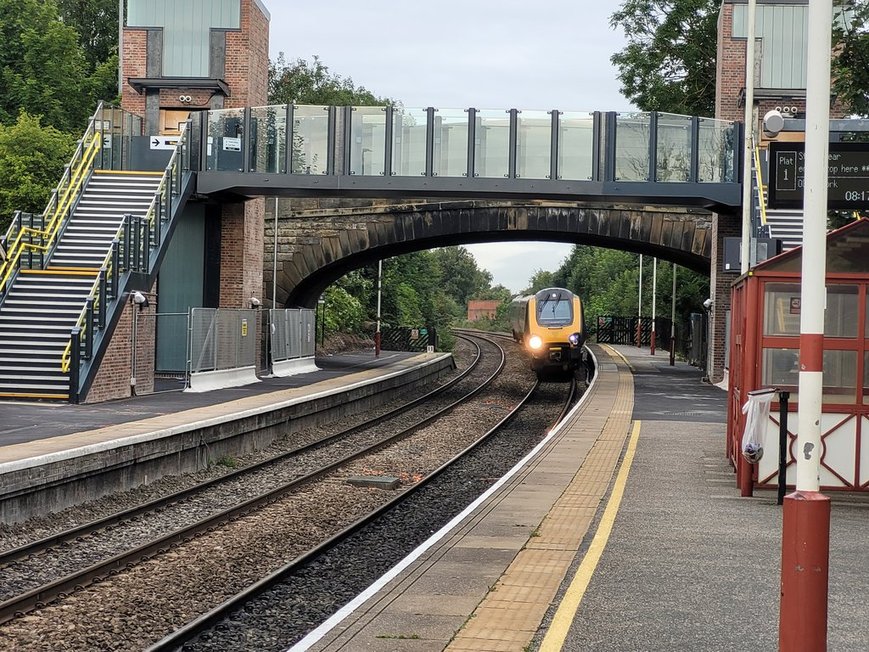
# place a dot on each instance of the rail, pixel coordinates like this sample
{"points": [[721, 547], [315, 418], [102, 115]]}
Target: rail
{"points": [[759, 182], [57, 210], [131, 251]]}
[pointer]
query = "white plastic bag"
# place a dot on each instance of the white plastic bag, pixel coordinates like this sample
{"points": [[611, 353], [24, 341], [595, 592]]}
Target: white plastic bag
{"points": [[757, 409]]}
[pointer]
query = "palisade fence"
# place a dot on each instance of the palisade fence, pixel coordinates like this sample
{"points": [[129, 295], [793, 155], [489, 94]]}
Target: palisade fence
{"points": [[690, 337], [293, 333], [221, 339]]}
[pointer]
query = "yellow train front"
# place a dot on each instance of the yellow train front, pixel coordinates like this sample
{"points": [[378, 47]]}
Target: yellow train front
{"points": [[550, 324]]}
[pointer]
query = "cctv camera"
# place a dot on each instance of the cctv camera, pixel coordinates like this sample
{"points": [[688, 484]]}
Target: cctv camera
{"points": [[254, 302], [139, 299], [708, 303], [773, 122]]}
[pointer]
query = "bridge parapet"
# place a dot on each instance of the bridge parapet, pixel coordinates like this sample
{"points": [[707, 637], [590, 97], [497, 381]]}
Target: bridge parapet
{"points": [[301, 150]]}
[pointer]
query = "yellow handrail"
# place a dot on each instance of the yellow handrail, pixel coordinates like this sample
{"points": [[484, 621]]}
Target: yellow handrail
{"points": [[58, 209], [759, 178], [75, 183]]}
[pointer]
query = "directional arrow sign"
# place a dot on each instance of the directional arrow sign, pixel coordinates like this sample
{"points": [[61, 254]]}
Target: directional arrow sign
{"points": [[164, 142]]}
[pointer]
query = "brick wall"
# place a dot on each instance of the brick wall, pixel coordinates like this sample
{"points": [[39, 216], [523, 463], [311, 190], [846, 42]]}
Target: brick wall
{"points": [[113, 378], [241, 251]]}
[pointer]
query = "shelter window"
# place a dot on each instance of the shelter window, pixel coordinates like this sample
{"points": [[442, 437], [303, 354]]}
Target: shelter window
{"points": [[841, 315], [840, 377], [781, 309]]}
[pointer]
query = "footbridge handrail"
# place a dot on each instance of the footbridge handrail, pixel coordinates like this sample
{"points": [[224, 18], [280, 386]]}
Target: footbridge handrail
{"points": [[61, 200], [132, 251]]}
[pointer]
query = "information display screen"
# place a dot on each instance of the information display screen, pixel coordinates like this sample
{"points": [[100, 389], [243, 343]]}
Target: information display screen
{"points": [[847, 181]]}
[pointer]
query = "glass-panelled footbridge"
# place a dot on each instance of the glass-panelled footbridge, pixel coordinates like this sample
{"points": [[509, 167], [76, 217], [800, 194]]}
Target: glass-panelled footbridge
{"points": [[295, 150]]}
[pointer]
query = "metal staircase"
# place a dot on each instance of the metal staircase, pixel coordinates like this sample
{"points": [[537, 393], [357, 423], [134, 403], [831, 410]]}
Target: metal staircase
{"points": [[43, 305]]}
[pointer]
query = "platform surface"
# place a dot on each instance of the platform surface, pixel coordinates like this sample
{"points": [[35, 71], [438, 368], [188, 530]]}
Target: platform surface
{"points": [[640, 541]]}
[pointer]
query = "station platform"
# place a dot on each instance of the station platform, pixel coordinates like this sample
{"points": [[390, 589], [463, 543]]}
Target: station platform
{"points": [[50, 453], [624, 531]]}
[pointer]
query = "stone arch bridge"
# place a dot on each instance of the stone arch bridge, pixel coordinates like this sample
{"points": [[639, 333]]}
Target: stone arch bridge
{"points": [[319, 242]]}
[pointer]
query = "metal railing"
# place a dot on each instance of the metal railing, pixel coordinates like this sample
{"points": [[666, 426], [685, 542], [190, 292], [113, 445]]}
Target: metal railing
{"points": [[20, 238], [221, 338], [133, 250], [293, 333]]}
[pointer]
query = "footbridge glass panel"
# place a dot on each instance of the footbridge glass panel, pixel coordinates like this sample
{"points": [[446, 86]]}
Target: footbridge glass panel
{"points": [[450, 143], [367, 140], [533, 157], [492, 143], [268, 129], [576, 139], [310, 146], [658, 157], [632, 146], [717, 144], [673, 148], [409, 133]]}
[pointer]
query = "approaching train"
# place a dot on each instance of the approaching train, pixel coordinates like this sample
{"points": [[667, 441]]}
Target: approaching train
{"points": [[551, 325]]}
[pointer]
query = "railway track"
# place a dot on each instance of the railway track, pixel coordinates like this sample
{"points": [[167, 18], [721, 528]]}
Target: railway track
{"points": [[266, 615], [75, 582]]}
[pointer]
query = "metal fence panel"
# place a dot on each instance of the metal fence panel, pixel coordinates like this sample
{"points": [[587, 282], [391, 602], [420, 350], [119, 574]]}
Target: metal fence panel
{"points": [[309, 332], [222, 338]]}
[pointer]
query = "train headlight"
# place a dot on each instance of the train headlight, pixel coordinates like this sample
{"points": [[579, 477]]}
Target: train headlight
{"points": [[535, 342], [573, 338]]}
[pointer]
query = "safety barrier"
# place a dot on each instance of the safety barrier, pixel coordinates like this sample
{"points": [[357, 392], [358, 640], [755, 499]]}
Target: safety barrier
{"points": [[222, 347], [292, 339]]}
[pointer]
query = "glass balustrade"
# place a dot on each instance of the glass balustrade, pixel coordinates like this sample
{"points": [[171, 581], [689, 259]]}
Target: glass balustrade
{"points": [[576, 146], [632, 146], [224, 140], [492, 143], [450, 145], [367, 140], [310, 149], [716, 143], [268, 138], [355, 139], [673, 151]]}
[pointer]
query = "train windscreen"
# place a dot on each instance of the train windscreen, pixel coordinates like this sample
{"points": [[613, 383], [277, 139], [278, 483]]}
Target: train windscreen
{"points": [[554, 308]]}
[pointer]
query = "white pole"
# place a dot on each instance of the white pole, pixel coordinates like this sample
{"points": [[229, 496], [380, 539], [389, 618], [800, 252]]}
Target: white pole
{"points": [[379, 286], [805, 560], [654, 301], [745, 245], [640, 307], [275, 262], [673, 320], [813, 292], [120, 49]]}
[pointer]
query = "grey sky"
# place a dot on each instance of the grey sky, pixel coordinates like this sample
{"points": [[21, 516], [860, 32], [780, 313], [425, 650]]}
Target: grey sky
{"points": [[451, 54]]}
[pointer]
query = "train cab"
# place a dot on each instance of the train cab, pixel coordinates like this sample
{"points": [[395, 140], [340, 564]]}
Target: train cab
{"points": [[550, 325]]}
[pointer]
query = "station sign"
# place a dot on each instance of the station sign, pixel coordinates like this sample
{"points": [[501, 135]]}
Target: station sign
{"points": [[847, 180]]}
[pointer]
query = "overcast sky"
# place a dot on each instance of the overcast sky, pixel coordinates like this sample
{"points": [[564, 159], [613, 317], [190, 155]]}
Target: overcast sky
{"points": [[485, 54]]}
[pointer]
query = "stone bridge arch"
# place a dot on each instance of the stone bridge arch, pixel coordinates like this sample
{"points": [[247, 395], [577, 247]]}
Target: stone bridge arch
{"points": [[318, 245]]}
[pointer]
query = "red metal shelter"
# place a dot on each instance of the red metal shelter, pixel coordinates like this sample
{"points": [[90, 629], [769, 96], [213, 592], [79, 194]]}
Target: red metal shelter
{"points": [[764, 353]]}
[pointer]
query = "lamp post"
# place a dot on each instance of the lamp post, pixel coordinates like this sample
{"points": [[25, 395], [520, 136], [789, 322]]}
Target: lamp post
{"points": [[640, 307], [654, 300], [806, 511], [673, 321], [745, 244], [377, 331]]}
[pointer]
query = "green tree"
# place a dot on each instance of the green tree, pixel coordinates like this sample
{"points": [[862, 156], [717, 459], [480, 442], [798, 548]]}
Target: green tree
{"points": [[42, 67], [460, 277], [309, 82], [32, 158], [669, 61], [850, 65]]}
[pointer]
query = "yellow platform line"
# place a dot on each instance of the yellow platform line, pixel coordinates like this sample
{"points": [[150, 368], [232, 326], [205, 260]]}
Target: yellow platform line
{"points": [[561, 622], [139, 173], [26, 395]]}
